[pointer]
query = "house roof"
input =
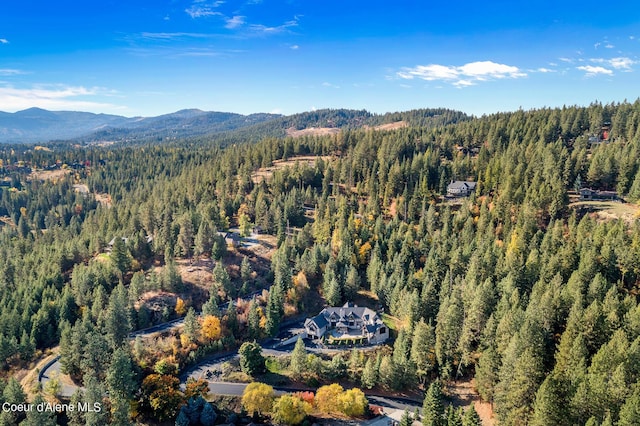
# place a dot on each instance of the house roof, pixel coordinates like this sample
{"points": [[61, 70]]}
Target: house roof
{"points": [[462, 184], [319, 320], [343, 313], [589, 191]]}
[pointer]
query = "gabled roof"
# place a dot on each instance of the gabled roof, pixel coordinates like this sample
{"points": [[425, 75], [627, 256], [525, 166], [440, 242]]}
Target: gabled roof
{"points": [[349, 310], [462, 184], [319, 320]]}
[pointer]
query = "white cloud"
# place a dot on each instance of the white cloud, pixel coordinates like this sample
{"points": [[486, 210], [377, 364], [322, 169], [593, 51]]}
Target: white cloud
{"points": [[235, 22], [466, 75], [294, 47], [619, 63], [201, 9], [545, 70], [592, 71], [4, 41], [609, 46], [54, 98], [264, 29], [622, 63], [463, 83], [8, 72], [595, 46], [327, 84]]}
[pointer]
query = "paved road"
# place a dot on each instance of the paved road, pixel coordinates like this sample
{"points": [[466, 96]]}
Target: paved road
{"points": [[52, 371], [67, 390]]}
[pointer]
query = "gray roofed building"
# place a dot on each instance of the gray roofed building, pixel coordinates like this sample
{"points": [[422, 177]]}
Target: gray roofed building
{"points": [[461, 188], [347, 322]]}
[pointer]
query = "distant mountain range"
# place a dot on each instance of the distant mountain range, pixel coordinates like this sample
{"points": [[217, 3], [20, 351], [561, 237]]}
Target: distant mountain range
{"points": [[39, 125], [35, 125]]}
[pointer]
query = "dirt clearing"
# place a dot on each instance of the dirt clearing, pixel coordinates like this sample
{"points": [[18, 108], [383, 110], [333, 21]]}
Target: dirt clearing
{"points": [[312, 131], [609, 210], [463, 394], [265, 173]]}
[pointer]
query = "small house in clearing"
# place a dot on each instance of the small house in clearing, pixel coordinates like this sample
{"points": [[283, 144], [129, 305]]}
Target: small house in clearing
{"points": [[588, 194], [461, 188], [347, 322], [231, 238]]}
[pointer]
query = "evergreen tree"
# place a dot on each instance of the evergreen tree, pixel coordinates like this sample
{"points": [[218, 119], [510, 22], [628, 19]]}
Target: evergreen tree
{"points": [[275, 309], [253, 321], [204, 238], [191, 325], [211, 306], [369, 374], [76, 417], [120, 255], [405, 420], [471, 417], [39, 417], [454, 417], [93, 396], [121, 384], [117, 321], [12, 394], [432, 407], [245, 269], [298, 359], [186, 236], [251, 359]]}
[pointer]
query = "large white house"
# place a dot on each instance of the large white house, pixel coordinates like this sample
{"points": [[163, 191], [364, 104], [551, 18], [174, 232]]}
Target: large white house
{"points": [[347, 322]]}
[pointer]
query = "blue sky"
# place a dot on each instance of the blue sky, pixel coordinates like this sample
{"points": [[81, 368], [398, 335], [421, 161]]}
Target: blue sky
{"points": [[149, 57]]}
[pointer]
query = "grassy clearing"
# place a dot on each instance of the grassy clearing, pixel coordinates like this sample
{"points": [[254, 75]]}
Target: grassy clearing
{"points": [[392, 322]]}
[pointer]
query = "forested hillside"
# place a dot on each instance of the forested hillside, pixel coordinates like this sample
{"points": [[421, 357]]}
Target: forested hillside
{"points": [[516, 286]]}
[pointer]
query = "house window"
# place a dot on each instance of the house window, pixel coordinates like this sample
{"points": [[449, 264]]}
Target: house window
{"points": [[383, 330], [333, 324]]}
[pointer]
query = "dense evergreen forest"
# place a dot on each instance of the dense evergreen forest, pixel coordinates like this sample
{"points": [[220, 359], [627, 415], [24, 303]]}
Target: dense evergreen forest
{"points": [[516, 286]]}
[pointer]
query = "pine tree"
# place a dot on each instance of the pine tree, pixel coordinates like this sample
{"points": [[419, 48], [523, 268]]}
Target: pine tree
{"points": [[211, 306], [369, 374], [185, 237], [405, 420], [13, 394], [275, 310], [454, 417], [117, 321], [334, 293], [245, 270], [550, 407], [39, 417], [222, 280], [251, 359], [471, 417], [253, 321], [191, 325], [204, 238], [120, 255], [432, 407], [423, 349], [76, 417], [93, 396], [298, 359], [208, 416], [121, 385]]}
